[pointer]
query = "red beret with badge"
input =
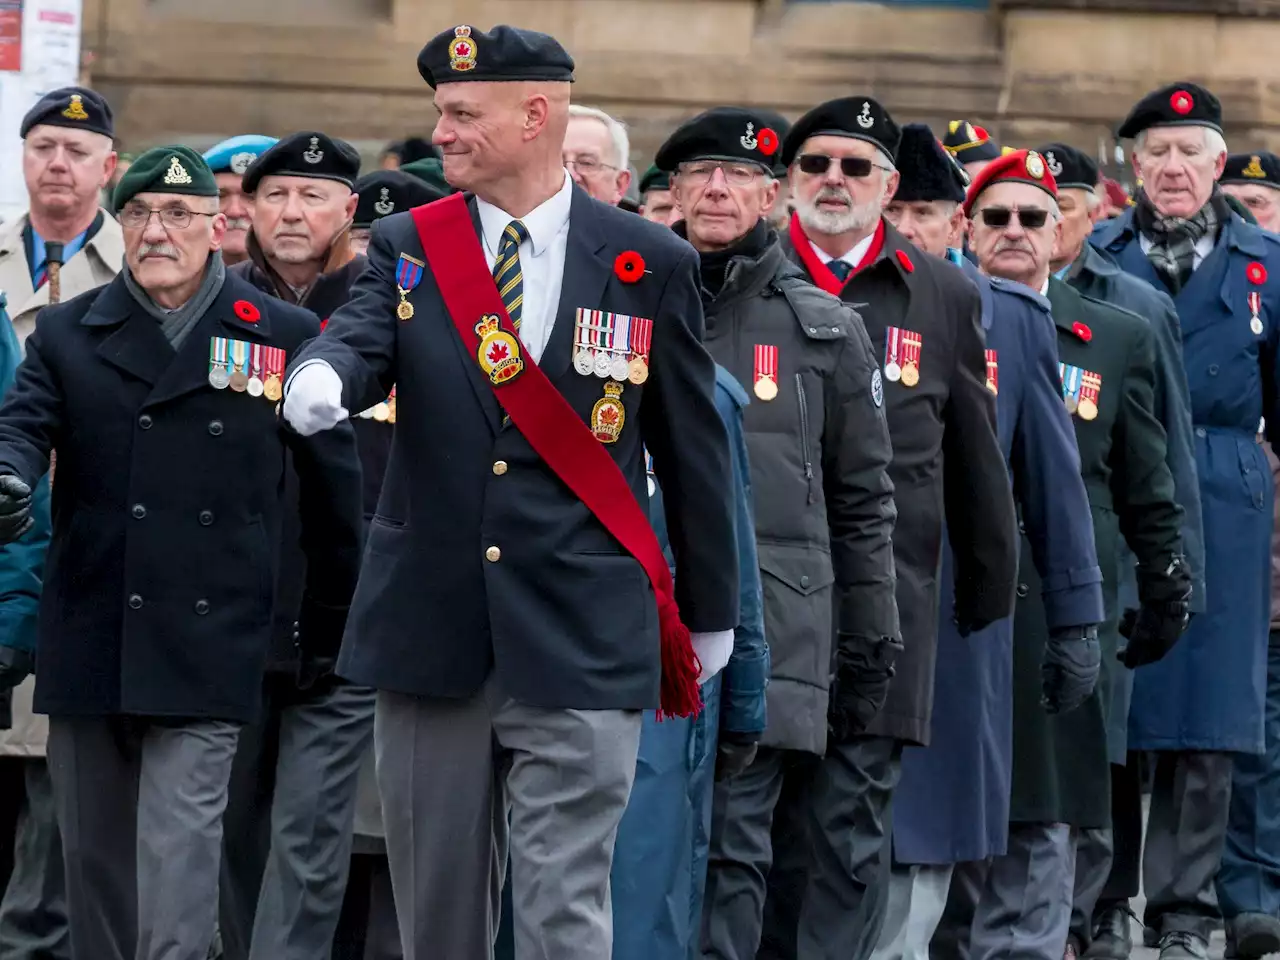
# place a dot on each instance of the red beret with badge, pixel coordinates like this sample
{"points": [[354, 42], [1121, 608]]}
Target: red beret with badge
{"points": [[1020, 166]]}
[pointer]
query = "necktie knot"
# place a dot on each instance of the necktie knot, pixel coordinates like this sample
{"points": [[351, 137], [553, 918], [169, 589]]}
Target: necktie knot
{"points": [[506, 270], [516, 231], [841, 269]]}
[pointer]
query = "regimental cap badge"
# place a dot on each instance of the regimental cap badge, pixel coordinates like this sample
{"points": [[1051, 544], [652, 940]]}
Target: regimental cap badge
{"points": [[748, 139], [176, 175], [75, 109], [239, 163], [1254, 169], [314, 154], [1055, 166], [864, 119], [462, 50], [384, 204], [1035, 165]]}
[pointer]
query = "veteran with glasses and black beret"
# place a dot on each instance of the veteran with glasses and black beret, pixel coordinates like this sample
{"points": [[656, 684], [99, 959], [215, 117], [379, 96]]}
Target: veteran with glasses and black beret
{"points": [[158, 391]]}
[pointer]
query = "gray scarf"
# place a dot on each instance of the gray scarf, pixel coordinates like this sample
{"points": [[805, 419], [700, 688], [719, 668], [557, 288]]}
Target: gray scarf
{"points": [[176, 324], [1173, 240]]}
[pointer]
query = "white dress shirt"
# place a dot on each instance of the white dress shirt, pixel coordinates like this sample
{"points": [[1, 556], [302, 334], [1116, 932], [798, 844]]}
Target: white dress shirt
{"points": [[853, 257], [541, 261]]}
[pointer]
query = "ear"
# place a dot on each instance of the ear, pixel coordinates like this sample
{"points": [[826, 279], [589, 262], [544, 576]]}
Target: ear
{"points": [[219, 224], [350, 209], [973, 240], [1219, 165], [771, 197], [957, 228], [677, 194], [109, 168], [624, 181], [536, 111], [890, 187], [1136, 164]]}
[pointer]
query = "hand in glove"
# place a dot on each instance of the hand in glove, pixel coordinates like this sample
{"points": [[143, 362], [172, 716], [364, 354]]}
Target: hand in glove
{"points": [[15, 508], [15, 666], [313, 399], [734, 754], [1069, 671], [864, 668], [318, 638], [1163, 615]]}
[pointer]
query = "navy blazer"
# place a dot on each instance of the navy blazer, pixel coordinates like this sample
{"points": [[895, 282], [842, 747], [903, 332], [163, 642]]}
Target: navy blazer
{"points": [[562, 613]]}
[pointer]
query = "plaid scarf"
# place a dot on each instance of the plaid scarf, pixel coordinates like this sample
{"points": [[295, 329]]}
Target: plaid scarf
{"points": [[1173, 239]]}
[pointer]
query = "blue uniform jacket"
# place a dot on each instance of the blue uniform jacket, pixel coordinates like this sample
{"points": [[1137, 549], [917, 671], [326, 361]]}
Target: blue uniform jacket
{"points": [[952, 803], [1208, 693], [21, 563]]}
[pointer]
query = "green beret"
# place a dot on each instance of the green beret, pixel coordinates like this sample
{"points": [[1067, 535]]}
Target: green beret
{"points": [[173, 169], [654, 179], [431, 172]]}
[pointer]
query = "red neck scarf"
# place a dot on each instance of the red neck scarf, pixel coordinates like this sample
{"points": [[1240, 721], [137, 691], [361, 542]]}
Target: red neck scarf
{"points": [[820, 272]]}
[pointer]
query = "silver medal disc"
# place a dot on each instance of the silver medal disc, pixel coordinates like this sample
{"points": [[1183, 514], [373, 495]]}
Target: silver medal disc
{"points": [[255, 387], [620, 369], [1256, 326], [366, 414], [584, 362], [219, 378], [603, 362], [892, 371]]}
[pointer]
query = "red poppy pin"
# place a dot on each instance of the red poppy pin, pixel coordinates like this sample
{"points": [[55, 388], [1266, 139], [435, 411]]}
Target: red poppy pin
{"points": [[1256, 273], [629, 266], [1181, 102], [1082, 331], [905, 260], [324, 323], [246, 311], [767, 141]]}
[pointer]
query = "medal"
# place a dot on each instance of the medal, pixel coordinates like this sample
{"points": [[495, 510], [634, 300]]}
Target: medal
{"points": [[366, 414], [765, 371], [1088, 410], [892, 372], [1255, 307], [1090, 388], [256, 385], [619, 369], [218, 376], [404, 309], [381, 411], [911, 346], [602, 364], [993, 373], [641, 339], [391, 407], [1255, 325], [239, 380], [637, 371], [1071, 403], [499, 351], [892, 349], [274, 363], [608, 415], [408, 276], [583, 361], [620, 347]]}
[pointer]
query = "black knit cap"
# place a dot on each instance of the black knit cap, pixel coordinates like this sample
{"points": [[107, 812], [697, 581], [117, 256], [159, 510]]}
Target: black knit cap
{"points": [[1261, 167], [305, 154], [504, 53], [385, 192], [1177, 105], [861, 118], [925, 170], [721, 133], [77, 108], [1070, 167]]}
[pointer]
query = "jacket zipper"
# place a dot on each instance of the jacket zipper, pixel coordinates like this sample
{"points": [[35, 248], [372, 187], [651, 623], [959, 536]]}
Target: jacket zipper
{"points": [[804, 434]]}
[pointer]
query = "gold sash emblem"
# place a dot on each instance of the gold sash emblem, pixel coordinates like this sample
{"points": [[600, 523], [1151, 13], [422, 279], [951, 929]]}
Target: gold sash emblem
{"points": [[499, 352]]}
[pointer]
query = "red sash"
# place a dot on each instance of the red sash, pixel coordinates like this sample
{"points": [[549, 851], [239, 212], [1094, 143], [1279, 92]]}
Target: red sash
{"points": [[820, 272], [556, 432]]}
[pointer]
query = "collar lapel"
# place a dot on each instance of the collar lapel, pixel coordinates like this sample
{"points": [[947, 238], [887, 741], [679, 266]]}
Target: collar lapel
{"points": [[1064, 304], [136, 345], [586, 275]]}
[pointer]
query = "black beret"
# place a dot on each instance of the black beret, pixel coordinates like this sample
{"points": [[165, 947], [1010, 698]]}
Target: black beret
{"points": [[1261, 167], [385, 192], [858, 117], [1070, 167], [926, 171], [1177, 105], [969, 143], [505, 53], [721, 133], [174, 169], [76, 107], [654, 179], [305, 154], [413, 148]]}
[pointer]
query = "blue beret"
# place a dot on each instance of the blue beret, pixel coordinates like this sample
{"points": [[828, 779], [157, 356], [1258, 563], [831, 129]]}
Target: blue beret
{"points": [[78, 108], [235, 154], [505, 53]]}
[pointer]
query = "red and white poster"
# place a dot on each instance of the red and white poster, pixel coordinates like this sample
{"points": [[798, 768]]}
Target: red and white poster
{"points": [[11, 36]]}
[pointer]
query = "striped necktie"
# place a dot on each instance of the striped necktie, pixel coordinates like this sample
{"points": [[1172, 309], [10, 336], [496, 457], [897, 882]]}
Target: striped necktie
{"points": [[506, 270], [841, 268]]}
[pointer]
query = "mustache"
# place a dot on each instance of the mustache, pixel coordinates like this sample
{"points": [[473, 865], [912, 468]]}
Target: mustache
{"points": [[167, 250], [239, 223], [833, 193], [1013, 246]]}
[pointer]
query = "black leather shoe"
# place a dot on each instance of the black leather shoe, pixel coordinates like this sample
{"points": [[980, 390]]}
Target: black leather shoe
{"points": [[1112, 939], [1183, 945], [1252, 935]]}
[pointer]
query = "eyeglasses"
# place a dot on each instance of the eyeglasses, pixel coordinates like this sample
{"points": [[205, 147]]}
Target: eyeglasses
{"points": [[700, 172], [174, 218], [815, 164], [1031, 219], [588, 165]]}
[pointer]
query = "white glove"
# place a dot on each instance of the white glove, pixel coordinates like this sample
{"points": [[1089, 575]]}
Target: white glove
{"points": [[313, 398], [713, 650]]}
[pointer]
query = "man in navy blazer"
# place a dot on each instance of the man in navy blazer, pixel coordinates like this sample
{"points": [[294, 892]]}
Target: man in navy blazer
{"points": [[513, 641]]}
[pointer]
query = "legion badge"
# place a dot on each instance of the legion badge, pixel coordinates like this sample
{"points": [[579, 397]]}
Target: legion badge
{"points": [[313, 154], [1255, 308], [462, 50], [384, 204], [75, 109], [993, 373], [765, 371], [499, 351], [176, 175], [1254, 169], [608, 415], [1035, 166], [408, 276]]}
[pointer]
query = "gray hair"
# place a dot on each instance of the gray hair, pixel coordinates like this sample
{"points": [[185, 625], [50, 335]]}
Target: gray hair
{"points": [[1214, 142], [617, 133]]}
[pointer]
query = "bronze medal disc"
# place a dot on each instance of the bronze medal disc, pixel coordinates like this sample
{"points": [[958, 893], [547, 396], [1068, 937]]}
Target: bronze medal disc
{"points": [[766, 388], [1088, 409], [910, 375], [239, 382], [405, 310]]}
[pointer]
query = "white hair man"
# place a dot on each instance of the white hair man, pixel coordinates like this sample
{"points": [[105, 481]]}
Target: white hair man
{"points": [[1205, 708], [596, 150]]}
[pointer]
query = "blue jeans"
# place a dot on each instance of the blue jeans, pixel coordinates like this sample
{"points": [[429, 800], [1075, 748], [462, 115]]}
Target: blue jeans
{"points": [[1249, 877]]}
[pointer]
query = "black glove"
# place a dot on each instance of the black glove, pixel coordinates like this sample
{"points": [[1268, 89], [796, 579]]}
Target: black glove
{"points": [[15, 666], [15, 508], [318, 638], [1163, 615], [864, 668], [966, 625], [1069, 672], [734, 754]]}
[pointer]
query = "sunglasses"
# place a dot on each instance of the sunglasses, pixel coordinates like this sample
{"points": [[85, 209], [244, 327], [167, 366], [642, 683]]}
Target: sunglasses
{"points": [[1000, 216], [816, 163]]}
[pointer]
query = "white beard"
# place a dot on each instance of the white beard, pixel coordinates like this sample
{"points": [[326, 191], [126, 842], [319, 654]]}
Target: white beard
{"points": [[833, 223]]}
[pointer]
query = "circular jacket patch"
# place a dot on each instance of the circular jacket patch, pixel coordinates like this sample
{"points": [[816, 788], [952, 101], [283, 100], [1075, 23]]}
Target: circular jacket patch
{"points": [[877, 388]]}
